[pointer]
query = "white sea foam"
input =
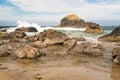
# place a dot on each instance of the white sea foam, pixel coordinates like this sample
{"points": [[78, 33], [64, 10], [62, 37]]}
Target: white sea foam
{"points": [[40, 29]]}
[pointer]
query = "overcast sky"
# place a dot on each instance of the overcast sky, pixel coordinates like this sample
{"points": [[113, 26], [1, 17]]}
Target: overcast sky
{"points": [[50, 12]]}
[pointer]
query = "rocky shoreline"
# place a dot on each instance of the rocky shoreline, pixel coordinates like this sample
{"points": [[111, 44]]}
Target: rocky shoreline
{"points": [[53, 55]]}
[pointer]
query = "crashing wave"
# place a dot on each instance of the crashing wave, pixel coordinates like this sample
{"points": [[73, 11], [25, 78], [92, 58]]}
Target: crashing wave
{"points": [[39, 29]]}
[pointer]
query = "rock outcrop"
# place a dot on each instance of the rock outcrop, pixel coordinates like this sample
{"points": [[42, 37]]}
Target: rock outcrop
{"points": [[114, 36], [3, 35], [72, 20], [49, 36], [93, 28], [89, 48], [20, 50], [75, 21], [26, 51], [27, 29]]}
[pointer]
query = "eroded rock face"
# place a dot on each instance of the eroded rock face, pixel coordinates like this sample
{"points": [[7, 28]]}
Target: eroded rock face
{"points": [[89, 48], [26, 51], [116, 55], [52, 37], [93, 28], [21, 50], [27, 29], [114, 36]]}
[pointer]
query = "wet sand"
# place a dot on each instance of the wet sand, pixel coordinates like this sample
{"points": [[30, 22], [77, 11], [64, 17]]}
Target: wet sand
{"points": [[70, 67]]}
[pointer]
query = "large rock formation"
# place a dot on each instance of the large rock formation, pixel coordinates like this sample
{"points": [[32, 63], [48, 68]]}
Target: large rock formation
{"points": [[27, 29], [75, 21], [72, 20], [114, 36]]}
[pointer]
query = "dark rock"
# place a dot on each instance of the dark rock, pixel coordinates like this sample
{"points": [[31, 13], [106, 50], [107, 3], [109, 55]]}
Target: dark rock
{"points": [[114, 36], [27, 29]]}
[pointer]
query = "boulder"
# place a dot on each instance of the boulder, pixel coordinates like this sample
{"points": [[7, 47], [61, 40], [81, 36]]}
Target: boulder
{"points": [[20, 50], [7, 49], [52, 37], [26, 29], [75, 21], [93, 28], [116, 55], [114, 36], [61, 52], [89, 48], [3, 51], [16, 34], [72, 20], [26, 51]]}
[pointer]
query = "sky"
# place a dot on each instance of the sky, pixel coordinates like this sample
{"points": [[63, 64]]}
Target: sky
{"points": [[50, 12]]}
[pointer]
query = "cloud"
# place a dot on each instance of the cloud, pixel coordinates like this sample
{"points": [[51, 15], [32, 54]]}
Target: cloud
{"points": [[54, 10]]}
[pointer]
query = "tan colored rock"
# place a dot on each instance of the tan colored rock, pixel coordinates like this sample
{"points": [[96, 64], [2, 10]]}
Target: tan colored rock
{"points": [[3, 35], [39, 44], [52, 37], [7, 49], [26, 51], [93, 52], [116, 55], [93, 28], [114, 36], [21, 50], [72, 20], [89, 48], [70, 42], [32, 38], [61, 52]]}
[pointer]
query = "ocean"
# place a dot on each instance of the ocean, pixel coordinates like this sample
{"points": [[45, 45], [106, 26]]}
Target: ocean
{"points": [[72, 32]]}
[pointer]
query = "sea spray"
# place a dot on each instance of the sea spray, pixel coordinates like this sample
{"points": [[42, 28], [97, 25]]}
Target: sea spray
{"points": [[39, 29]]}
